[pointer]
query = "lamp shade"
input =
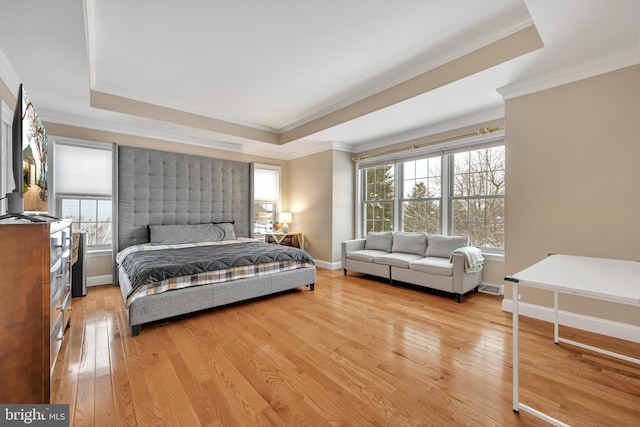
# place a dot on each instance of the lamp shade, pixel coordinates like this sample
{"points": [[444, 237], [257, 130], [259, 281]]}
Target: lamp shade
{"points": [[285, 217]]}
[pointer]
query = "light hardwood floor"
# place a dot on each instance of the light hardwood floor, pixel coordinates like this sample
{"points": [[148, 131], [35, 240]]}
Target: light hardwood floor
{"points": [[354, 352]]}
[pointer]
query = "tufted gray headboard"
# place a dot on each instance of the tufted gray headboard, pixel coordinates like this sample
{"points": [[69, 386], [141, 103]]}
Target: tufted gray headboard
{"points": [[157, 187]]}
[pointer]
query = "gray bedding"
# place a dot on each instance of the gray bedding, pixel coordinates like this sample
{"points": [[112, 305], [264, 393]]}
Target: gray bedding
{"points": [[146, 267]]}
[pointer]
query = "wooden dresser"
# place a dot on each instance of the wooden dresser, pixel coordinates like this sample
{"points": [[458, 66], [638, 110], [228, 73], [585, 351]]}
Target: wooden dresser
{"points": [[35, 284]]}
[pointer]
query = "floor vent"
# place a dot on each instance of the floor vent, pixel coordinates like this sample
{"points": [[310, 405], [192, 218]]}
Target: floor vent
{"points": [[492, 289]]}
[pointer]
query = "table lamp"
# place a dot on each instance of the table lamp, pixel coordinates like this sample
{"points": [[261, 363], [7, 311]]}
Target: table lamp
{"points": [[285, 220]]}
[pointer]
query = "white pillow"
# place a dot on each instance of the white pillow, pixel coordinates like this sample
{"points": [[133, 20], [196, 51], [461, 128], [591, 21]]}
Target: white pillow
{"points": [[443, 246], [409, 243], [379, 240]]}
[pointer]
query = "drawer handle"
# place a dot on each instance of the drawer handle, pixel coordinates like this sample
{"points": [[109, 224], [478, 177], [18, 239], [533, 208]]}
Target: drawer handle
{"points": [[59, 307], [59, 276], [70, 308], [60, 338]]}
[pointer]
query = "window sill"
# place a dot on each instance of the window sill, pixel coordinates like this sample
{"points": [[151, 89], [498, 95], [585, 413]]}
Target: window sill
{"points": [[493, 256]]}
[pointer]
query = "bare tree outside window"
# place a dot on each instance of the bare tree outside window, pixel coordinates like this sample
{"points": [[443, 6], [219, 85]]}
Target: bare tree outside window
{"points": [[477, 201], [91, 215]]}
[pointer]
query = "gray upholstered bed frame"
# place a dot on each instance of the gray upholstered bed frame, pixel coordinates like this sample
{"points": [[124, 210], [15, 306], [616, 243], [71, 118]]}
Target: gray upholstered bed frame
{"points": [[156, 187]]}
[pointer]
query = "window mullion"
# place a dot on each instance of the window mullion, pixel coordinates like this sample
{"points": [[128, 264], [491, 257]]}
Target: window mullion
{"points": [[397, 199], [446, 193]]}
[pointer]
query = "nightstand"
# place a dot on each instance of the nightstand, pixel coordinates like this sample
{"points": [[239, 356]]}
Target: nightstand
{"points": [[292, 238]]}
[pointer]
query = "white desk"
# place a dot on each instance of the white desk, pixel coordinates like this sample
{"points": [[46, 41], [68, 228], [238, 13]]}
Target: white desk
{"points": [[598, 278]]}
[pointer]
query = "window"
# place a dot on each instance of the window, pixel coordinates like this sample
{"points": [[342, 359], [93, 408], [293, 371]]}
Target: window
{"points": [[477, 196], [90, 214], [455, 192], [266, 198], [82, 185], [379, 197], [422, 195]]}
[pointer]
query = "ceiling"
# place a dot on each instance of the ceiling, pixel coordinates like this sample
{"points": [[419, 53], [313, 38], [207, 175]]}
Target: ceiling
{"points": [[284, 78]]}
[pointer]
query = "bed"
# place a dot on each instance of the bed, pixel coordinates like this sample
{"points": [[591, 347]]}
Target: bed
{"points": [[183, 237]]}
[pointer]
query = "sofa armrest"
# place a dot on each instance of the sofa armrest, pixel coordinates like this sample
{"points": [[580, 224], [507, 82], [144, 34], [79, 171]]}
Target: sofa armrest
{"points": [[350, 246], [463, 282]]}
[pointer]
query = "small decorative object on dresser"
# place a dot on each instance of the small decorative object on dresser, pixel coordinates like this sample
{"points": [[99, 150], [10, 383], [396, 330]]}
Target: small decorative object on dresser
{"points": [[292, 238], [35, 258]]}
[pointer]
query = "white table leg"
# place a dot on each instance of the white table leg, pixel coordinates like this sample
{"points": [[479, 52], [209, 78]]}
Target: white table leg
{"points": [[515, 297], [556, 317]]}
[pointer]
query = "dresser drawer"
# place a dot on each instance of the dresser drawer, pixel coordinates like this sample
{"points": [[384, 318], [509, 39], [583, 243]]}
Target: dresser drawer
{"points": [[66, 239], [56, 245], [56, 311], [57, 335], [66, 308]]}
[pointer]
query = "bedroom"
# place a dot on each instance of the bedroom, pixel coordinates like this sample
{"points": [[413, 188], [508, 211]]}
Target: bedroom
{"points": [[588, 98]]}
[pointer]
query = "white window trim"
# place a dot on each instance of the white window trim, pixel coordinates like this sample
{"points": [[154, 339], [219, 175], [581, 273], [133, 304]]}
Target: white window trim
{"points": [[279, 193], [58, 202], [442, 149], [56, 198]]}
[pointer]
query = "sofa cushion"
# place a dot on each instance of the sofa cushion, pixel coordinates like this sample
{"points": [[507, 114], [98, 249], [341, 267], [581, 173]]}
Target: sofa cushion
{"points": [[409, 243], [442, 246], [380, 241], [365, 255], [433, 265], [397, 259]]}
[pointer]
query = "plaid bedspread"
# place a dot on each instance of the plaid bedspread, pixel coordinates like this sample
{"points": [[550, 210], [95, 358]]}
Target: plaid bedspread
{"points": [[155, 269]]}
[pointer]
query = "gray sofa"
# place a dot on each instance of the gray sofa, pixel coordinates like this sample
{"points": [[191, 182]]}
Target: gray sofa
{"points": [[445, 263]]}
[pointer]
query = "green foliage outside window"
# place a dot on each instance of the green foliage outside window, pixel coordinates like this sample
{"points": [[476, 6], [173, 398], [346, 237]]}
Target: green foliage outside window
{"points": [[379, 195]]}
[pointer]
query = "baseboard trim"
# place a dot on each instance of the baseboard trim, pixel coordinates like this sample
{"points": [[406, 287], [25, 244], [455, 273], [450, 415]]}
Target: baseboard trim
{"points": [[606, 327], [105, 279], [328, 265]]}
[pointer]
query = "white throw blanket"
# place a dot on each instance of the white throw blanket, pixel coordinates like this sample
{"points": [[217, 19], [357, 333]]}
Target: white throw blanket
{"points": [[473, 260]]}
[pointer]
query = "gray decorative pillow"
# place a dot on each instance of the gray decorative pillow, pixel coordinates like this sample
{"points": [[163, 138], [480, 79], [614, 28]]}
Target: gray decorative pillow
{"points": [[191, 233], [380, 240], [442, 246], [409, 243]]}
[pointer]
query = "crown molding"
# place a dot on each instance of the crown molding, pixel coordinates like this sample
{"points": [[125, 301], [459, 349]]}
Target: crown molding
{"points": [[8, 75], [283, 152], [585, 70], [342, 147]]}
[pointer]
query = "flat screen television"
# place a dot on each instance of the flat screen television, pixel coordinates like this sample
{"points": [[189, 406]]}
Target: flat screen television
{"points": [[29, 160]]}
